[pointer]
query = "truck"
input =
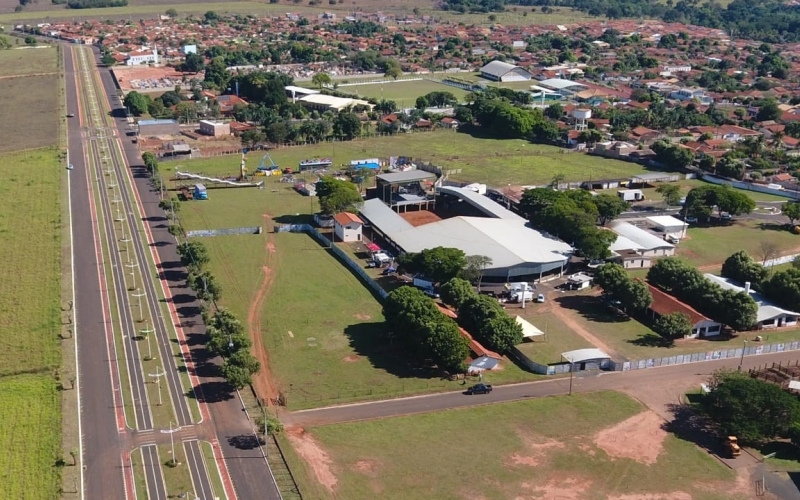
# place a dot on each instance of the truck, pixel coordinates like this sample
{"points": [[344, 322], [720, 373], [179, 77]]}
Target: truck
{"points": [[520, 296], [732, 446], [424, 283]]}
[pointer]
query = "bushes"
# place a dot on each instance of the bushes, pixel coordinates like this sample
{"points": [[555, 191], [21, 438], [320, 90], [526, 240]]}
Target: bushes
{"points": [[488, 322], [615, 282], [735, 309], [742, 268]]}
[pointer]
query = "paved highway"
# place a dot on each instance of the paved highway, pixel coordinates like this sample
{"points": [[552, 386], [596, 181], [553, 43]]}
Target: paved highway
{"points": [[100, 405], [153, 475], [247, 467], [584, 382]]}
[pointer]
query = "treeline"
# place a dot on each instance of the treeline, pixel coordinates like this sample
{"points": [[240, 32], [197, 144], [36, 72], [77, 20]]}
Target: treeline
{"points": [[782, 288], [769, 20], [226, 335], [573, 215], [735, 309], [94, 4]]}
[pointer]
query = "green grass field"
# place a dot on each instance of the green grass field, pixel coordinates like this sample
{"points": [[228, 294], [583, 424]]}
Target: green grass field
{"points": [[558, 338], [30, 423], [492, 161], [27, 61], [541, 448], [404, 93], [706, 246], [30, 405]]}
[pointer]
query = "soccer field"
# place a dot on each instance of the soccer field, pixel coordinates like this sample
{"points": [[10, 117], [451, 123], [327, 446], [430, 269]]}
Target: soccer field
{"points": [[403, 92]]}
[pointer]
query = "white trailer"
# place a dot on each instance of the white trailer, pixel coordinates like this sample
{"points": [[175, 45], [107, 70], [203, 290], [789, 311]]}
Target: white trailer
{"points": [[631, 194]]}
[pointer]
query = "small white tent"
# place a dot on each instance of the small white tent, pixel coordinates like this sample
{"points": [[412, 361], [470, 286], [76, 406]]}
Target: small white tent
{"points": [[528, 330]]}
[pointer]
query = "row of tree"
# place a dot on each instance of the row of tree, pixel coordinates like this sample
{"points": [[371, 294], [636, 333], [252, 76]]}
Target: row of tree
{"points": [[482, 316], [702, 201], [226, 335], [417, 323], [735, 309], [781, 288], [573, 216]]}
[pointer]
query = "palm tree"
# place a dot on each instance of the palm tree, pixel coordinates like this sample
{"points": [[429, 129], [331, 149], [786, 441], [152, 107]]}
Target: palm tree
{"points": [[321, 79]]}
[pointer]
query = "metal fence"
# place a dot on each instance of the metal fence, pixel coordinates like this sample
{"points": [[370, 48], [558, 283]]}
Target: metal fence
{"points": [[353, 265], [223, 232]]}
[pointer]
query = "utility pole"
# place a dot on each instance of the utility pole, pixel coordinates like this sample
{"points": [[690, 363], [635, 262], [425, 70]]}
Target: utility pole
{"points": [[157, 375], [146, 332], [139, 298]]}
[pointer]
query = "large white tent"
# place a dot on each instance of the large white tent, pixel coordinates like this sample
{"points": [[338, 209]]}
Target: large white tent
{"points": [[529, 331]]}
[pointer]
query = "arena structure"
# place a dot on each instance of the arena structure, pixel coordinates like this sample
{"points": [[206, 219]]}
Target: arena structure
{"points": [[476, 225]]}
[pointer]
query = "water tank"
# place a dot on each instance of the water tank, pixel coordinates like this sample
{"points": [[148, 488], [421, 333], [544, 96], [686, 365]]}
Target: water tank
{"points": [[582, 114]]}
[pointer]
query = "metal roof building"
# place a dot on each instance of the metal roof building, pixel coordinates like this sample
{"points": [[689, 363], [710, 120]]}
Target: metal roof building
{"points": [[482, 203], [769, 315], [500, 71], [514, 247], [649, 242]]}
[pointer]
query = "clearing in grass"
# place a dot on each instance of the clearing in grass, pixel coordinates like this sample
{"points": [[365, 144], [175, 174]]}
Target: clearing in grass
{"points": [[586, 447], [34, 96]]}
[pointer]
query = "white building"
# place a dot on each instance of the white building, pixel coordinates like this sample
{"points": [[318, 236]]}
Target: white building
{"points": [[768, 316], [668, 225], [144, 56], [500, 71], [648, 243], [189, 49], [347, 227], [214, 128], [323, 102]]}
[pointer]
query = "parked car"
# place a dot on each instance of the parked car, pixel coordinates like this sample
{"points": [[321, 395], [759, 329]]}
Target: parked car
{"points": [[70, 115], [480, 389], [70, 166], [725, 216], [430, 292], [691, 220], [540, 298]]}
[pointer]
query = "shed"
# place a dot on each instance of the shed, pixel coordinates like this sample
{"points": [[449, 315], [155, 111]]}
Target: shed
{"points": [[579, 281], [214, 128], [200, 192], [668, 225], [590, 358], [347, 227], [483, 363]]}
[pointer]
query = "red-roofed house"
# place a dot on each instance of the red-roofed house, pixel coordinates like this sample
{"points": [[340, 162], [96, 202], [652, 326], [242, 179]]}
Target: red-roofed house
{"points": [[664, 303], [347, 227]]}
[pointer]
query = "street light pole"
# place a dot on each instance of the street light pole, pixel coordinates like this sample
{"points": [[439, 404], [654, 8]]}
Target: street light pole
{"points": [[139, 298], [157, 375], [741, 360], [171, 433], [571, 370]]}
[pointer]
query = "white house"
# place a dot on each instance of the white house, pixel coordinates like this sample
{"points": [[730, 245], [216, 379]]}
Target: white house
{"points": [[189, 49], [347, 227], [769, 315], [144, 56]]}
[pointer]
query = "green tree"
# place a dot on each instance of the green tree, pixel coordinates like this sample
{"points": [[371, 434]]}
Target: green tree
{"points": [[769, 111], [346, 125], [612, 278], [204, 285], [456, 291], [554, 111], [609, 207], [673, 325], [447, 347], [239, 368], [671, 193], [172, 13], [742, 268], [393, 72], [749, 408], [194, 255], [439, 264], [150, 162], [106, 60], [321, 79], [250, 138], [475, 267], [217, 74], [486, 320], [337, 196], [673, 156], [783, 288], [136, 103], [791, 210], [194, 63]]}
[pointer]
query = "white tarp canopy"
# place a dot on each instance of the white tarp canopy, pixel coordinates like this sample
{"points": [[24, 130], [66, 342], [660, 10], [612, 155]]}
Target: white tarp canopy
{"points": [[581, 355], [794, 385], [528, 330]]}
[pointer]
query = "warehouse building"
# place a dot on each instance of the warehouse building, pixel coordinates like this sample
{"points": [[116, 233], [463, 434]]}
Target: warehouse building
{"points": [[768, 315], [516, 249], [323, 102], [150, 128], [500, 71]]}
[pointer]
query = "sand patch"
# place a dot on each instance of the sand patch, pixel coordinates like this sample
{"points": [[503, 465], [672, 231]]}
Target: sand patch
{"points": [[362, 317], [271, 247], [309, 450], [677, 495], [587, 449], [640, 438], [567, 489], [351, 359], [536, 448]]}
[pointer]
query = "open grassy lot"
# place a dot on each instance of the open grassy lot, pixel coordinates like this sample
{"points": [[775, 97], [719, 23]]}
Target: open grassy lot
{"points": [[558, 338], [37, 99], [546, 448], [492, 161], [709, 246], [404, 93], [634, 340], [27, 61], [30, 411], [30, 423]]}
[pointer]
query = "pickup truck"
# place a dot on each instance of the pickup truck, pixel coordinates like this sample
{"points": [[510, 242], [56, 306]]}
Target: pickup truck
{"points": [[480, 389]]}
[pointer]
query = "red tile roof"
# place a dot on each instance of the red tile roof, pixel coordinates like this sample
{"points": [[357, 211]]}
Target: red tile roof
{"points": [[345, 218], [664, 303], [474, 346]]}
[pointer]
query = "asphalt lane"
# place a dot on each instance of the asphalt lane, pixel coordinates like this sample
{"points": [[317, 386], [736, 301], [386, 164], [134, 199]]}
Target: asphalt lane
{"points": [[101, 440], [154, 476], [582, 382], [198, 470], [245, 461]]}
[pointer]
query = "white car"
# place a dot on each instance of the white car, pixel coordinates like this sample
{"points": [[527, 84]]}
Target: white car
{"points": [[70, 166]]}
